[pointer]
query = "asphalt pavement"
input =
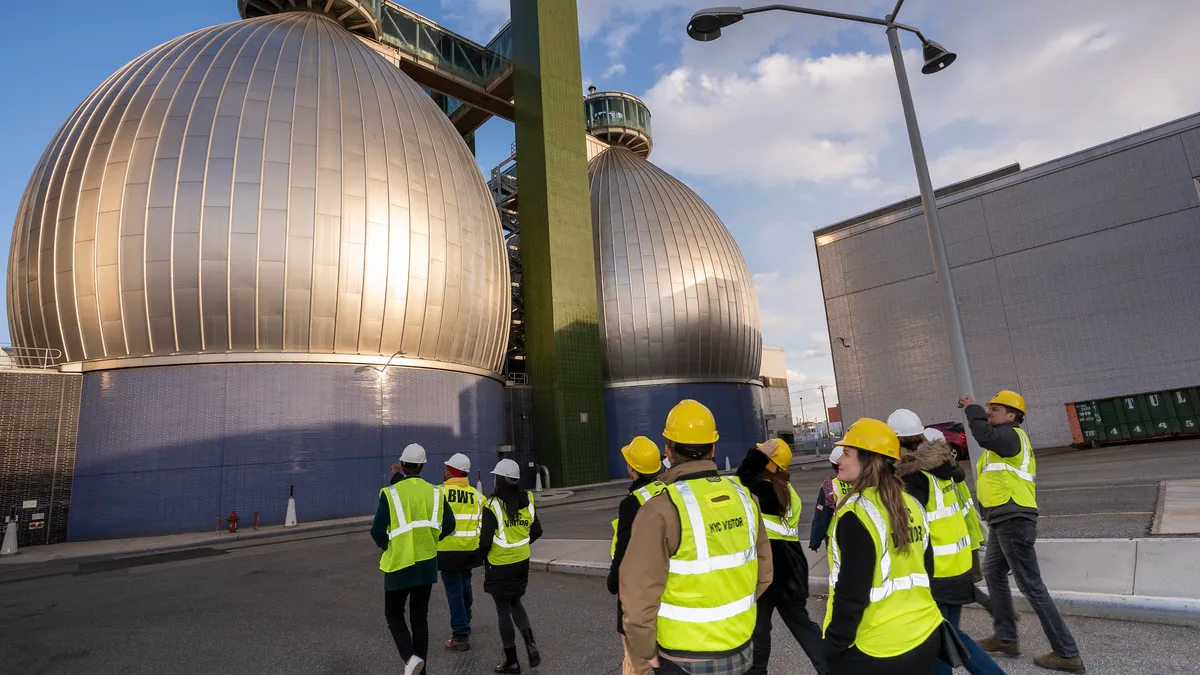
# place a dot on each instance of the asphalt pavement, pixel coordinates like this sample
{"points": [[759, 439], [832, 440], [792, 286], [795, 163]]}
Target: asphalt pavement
{"points": [[314, 604], [1106, 492]]}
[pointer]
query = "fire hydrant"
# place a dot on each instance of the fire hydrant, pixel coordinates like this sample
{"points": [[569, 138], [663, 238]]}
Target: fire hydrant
{"points": [[233, 521]]}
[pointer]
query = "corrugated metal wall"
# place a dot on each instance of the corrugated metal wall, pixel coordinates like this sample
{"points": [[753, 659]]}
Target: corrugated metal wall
{"points": [[166, 450], [1076, 280]]}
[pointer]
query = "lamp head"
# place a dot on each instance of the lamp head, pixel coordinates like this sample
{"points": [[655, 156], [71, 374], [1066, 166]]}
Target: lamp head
{"points": [[706, 24], [936, 58]]}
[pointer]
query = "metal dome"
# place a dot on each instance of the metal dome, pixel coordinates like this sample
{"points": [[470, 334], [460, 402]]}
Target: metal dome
{"points": [[677, 300], [268, 186]]}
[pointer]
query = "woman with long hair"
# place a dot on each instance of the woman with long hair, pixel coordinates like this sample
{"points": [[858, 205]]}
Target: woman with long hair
{"points": [[764, 473], [510, 525], [881, 618]]}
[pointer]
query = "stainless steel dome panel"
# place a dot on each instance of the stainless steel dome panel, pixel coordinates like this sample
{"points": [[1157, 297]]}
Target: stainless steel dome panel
{"points": [[269, 185], [677, 300]]}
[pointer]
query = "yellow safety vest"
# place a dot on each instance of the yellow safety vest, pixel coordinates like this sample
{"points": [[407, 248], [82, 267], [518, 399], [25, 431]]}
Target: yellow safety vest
{"points": [[643, 495], [843, 488], [1005, 478], [974, 527], [467, 506], [416, 523], [510, 543], [902, 613], [708, 603], [785, 531], [948, 532]]}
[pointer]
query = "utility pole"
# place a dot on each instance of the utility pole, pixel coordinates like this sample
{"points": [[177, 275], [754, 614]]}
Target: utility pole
{"points": [[825, 406], [803, 422]]}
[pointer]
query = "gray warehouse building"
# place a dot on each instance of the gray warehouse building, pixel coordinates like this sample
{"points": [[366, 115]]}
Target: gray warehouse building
{"points": [[1077, 279]]}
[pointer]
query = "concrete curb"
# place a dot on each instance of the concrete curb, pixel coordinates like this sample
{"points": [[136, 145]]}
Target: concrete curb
{"points": [[1139, 608], [32, 558]]}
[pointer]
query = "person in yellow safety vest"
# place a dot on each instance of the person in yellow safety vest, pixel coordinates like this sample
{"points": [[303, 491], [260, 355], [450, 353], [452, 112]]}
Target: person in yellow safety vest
{"points": [[411, 518], [697, 559], [831, 492], [1007, 491], [974, 527], [456, 554], [644, 462], [764, 473], [929, 471], [881, 618], [510, 525]]}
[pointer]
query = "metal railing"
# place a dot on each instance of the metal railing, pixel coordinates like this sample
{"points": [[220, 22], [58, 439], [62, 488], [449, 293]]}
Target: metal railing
{"points": [[40, 358]]}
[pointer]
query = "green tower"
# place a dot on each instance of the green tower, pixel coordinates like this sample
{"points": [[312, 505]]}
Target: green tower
{"points": [[557, 249]]}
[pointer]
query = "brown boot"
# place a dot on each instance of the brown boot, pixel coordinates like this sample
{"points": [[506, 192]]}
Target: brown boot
{"points": [[459, 643], [995, 645], [1053, 661]]}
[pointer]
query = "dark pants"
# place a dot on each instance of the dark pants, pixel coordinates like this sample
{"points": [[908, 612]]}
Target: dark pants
{"points": [[919, 661], [795, 617], [509, 611], [978, 661], [1010, 547], [417, 598], [458, 595]]}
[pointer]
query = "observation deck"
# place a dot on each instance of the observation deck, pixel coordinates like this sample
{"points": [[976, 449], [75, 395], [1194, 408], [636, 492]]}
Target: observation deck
{"points": [[618, 118], [360, 17]]}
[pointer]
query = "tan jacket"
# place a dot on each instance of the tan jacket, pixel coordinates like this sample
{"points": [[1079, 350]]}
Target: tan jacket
{"points": [[655, 537]]}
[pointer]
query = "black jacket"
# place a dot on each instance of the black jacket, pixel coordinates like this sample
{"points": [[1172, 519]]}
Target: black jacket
{"points": [[626, 512], [505, 581], [853, 591], [423, 573], [790, 582], [1003, 441], [937, 459]]}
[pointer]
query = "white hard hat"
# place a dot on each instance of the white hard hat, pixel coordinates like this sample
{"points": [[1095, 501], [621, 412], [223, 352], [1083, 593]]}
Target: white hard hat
{"points": [[459, 461], [508, 469], [932, 435], [835, 455], [905, 423], [413, 454]]}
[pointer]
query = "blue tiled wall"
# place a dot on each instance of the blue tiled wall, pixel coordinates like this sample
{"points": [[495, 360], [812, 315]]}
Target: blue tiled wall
{"points": [[168, 449], [642, 411]]}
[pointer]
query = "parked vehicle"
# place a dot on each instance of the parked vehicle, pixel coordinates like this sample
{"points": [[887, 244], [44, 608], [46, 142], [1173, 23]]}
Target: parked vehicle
{"points": [[956, 437]]}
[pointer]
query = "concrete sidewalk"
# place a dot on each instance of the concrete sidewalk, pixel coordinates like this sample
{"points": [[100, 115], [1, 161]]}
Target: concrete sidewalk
{"points": [[1147, 580], [108, 548]]}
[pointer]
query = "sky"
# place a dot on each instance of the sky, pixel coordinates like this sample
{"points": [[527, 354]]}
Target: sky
{"points": [[786, 124]]}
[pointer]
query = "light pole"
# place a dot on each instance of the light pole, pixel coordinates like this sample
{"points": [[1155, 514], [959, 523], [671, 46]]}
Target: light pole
{"points": [[803, 423], [706, 26]]}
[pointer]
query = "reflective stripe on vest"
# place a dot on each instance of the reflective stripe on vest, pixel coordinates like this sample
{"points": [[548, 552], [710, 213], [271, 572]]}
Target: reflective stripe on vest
{"points": [[948, 532], [902, 613], [643, 495], [887, 584], [415, 540], [1008, 478], [434, 522], [467, 506], [708, 605], [510, 543], [785, 531]]}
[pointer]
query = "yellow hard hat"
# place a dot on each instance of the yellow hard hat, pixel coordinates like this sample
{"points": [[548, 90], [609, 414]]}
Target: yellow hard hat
{"points": [[782, 457], [691, 423], [642, 455], [872, 436], [1009, 398]]}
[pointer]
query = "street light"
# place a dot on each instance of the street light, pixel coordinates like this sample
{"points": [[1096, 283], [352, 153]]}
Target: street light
{"points": [[705, 26]]}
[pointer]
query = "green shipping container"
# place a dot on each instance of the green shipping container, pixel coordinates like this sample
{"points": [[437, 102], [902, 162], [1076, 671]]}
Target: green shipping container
{"points": [[1187, 408], [1163, 421], [1136, 412], [1090, 422]]}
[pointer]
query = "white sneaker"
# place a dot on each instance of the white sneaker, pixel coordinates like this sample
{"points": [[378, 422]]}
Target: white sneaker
{"points": [[414, 666]]}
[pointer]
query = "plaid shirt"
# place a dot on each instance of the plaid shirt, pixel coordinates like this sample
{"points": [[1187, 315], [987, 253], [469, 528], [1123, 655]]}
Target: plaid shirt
{"points": [[734, 664]]}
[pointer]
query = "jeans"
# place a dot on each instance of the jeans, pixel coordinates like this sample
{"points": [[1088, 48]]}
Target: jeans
{"points": [[978, 663], [418, 611], [458, 595], [1010, 547], [795, 617], [508, 612]]}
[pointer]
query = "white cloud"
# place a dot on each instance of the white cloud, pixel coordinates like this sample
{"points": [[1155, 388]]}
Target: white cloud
{"points": [[614, 69]]}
